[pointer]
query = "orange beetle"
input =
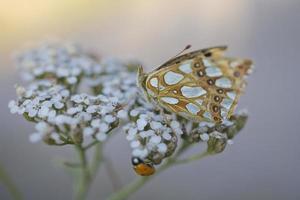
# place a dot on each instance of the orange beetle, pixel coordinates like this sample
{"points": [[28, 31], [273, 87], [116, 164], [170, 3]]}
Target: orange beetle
{"points": [[142, 168]]}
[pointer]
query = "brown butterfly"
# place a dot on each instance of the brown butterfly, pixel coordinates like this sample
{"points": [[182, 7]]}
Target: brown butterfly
{"points": [[202, 85]]}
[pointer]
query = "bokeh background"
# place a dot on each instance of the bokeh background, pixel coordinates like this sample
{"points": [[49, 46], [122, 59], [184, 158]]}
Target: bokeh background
{"points": [[264, 161]]}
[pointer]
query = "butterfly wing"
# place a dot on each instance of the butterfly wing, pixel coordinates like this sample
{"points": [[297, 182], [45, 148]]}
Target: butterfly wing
{"points": [[213, 52], [201, 88]]}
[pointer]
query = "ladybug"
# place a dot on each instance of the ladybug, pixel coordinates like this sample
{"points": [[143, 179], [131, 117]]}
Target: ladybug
{"points": [[142, 168]]}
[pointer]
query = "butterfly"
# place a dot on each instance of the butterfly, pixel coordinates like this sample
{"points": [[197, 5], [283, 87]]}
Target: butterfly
{"points": [[202, 85]]}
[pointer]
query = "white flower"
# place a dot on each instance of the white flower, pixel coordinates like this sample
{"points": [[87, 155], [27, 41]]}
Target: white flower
{"points": [[101, 136], [218, 135], [77, 98], [52, 114], [74, 110], [72, 80], [20, 91], [96, 123], [32, 110], [155, 125], [132, 131], [175, 124], [145, 134], [162, 148], [41, 126], [122, 114], [134, 113], [103, 127], [141, 123], [227, 123], [130, 137], [88, 131], [43, 112], [91, 109], [206, 124], [155, 139], [135, 144], [55, 136], [230, 142], [62, 72], [141, 153], [204, 137], [58, 105], [12, 105], [166, 136], [35, 137], [136, 153], [109, 119]]}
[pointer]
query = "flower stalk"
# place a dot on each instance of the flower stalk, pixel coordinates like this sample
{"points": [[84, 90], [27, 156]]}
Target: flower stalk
{"points": [[88, 169], [9, 184], [85, 176]]}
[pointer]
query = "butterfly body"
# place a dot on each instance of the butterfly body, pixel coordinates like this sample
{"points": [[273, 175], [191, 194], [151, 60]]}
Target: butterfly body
{"points": [[202, 85]]}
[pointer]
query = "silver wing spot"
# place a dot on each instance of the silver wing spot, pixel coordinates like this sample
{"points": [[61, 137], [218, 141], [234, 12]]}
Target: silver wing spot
{"points": [[172, 78]]}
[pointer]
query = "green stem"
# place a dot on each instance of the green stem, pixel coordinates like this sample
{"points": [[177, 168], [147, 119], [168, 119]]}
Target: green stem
{"points": [[129, 189], [88, 172], [84, 176], [6, 180], [90, 145], [193, 158], [97, 159]]}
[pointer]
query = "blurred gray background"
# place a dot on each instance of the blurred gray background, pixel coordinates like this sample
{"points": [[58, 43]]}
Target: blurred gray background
{"points": [[264, 161]]}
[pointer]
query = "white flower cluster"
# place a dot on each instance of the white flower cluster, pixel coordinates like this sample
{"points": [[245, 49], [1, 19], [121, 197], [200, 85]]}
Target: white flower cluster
{"points": [[40, 101], [152, 136], [221, 134], [65, 62], [115, 81], [57, 72], [64, 118]]}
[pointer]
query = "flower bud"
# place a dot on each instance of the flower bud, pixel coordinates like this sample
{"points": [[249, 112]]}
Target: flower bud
{"points": [[216, 143], [48, 140], [77, 138], [239, 123]]}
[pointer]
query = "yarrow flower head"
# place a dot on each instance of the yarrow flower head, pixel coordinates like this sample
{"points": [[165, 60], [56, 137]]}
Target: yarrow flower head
{"points": [[63, 114], [65, 62], [40, 100]]}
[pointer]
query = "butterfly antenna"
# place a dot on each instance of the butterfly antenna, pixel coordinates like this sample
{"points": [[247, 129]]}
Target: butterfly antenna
{"points": [[183, 50]]}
